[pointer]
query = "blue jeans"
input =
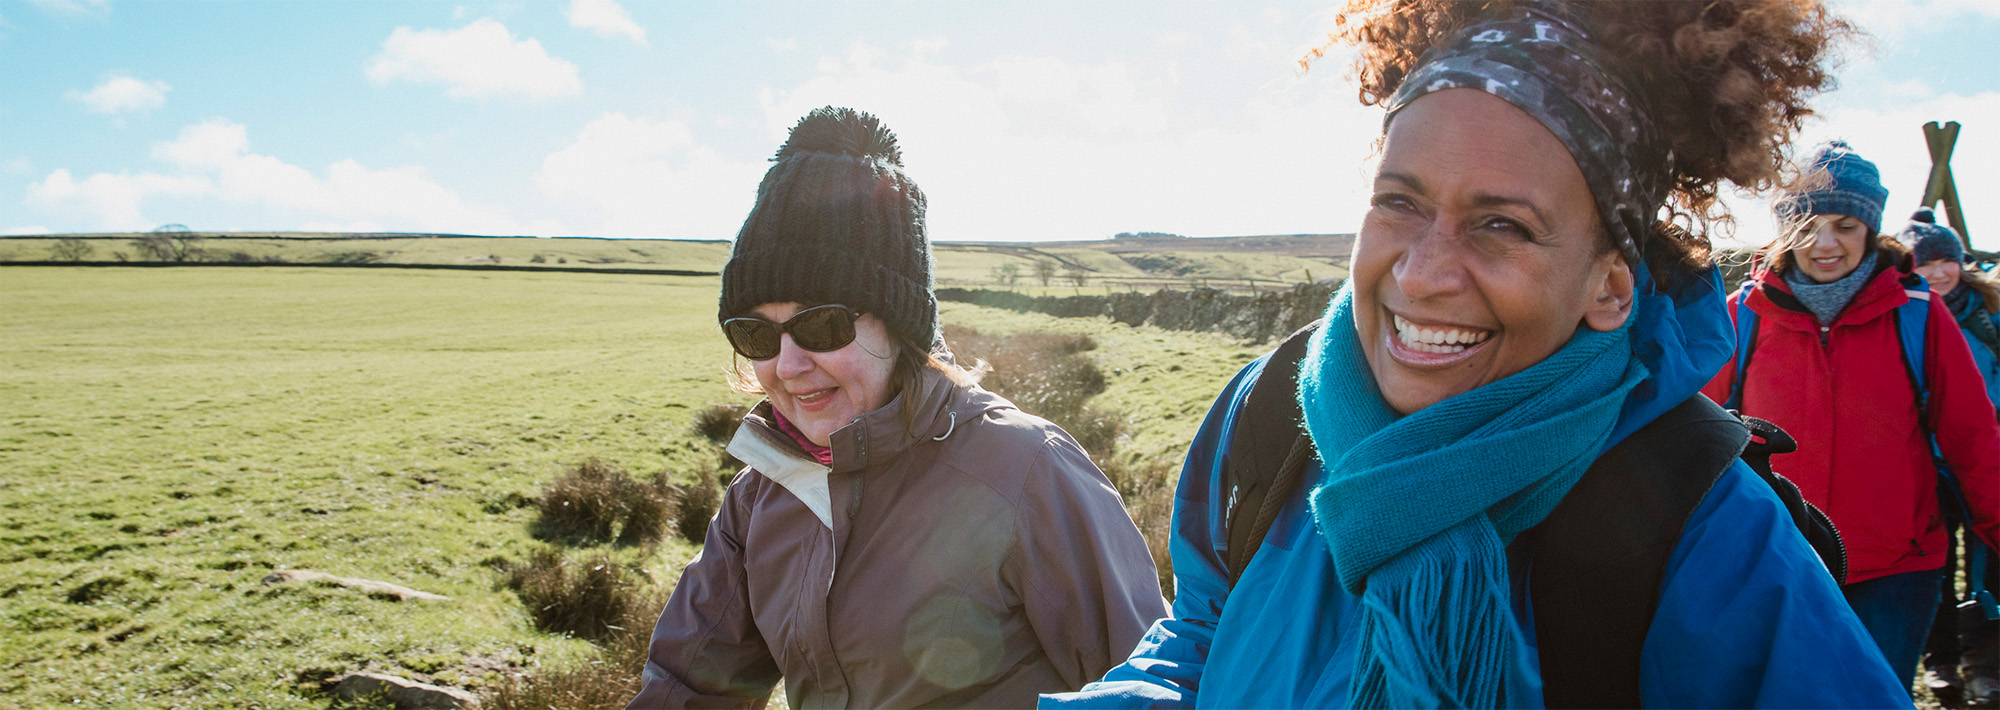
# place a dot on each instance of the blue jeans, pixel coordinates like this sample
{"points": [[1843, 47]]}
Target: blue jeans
{"points": [[1897, 612]]}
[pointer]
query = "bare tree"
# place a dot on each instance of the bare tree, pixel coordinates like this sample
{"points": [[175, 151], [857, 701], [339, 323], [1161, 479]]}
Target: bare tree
{"points": [[170, 244], [154, 247], [188, 247], [1045, 269], [70, 249], [1075, 273]]}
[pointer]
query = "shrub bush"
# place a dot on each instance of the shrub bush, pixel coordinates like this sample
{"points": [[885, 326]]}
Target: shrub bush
{"points": [[584, 599], [596, 502], [607, 681], [698, 501], [718, 421]]}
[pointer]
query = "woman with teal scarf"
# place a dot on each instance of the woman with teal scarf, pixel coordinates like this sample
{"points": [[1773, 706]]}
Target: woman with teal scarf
{"points": [[1530, 293]]}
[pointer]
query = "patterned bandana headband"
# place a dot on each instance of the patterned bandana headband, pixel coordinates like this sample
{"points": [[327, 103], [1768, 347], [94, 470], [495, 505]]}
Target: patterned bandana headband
{"points": [[1548, 67]]}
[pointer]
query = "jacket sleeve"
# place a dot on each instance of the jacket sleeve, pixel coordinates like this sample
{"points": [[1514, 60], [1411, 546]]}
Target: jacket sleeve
{"points": [[1717, 389], [1962, 417], [1748, 616], [1088, 585], [1165, 670], [706, 650]]}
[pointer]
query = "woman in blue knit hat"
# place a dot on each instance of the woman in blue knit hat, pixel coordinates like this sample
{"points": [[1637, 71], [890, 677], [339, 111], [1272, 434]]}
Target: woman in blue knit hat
{"points": [[1963, 653], [1825, 361]]}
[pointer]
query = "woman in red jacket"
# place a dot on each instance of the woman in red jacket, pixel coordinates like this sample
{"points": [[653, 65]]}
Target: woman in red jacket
{"points": [[1827, 366]]}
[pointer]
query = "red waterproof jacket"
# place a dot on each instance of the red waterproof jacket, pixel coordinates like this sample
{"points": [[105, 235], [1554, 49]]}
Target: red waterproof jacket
{"points": [[1843, 391]]}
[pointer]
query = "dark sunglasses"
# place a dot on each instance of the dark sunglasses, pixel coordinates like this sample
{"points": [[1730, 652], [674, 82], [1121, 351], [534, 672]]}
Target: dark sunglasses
{"points": [[819, 329]]}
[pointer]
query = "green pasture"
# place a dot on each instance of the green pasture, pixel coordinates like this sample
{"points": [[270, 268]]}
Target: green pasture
{"points": [[169, 437]]}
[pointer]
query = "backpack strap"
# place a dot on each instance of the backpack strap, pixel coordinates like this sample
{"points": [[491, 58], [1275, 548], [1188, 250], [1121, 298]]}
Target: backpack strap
{"points": [[1912, 320], [1746, 341], [1598, 559], [1268, 453]]}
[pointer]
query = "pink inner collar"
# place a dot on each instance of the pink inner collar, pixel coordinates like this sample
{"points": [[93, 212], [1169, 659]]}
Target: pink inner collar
{"points": [[819, 453]]}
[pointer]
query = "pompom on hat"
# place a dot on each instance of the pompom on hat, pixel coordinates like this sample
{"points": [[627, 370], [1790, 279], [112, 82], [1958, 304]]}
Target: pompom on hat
{"points": [[1837, 181], [1930, 241], [837, 221]]}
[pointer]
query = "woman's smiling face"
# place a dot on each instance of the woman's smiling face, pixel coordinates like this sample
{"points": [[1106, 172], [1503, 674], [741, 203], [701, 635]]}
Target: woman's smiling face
{"points": [[1833, 248], [1482, 251], [821, 392]]}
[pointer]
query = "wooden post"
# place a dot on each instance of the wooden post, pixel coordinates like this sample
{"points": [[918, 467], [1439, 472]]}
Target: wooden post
{"points": [[1940, 187]]}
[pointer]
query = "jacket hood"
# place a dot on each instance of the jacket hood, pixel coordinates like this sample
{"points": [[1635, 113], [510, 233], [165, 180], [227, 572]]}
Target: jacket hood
{"points": [[1683, 336]]}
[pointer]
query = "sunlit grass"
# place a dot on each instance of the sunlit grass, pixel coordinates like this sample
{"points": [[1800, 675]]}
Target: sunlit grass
{"points": [[169, 437]]}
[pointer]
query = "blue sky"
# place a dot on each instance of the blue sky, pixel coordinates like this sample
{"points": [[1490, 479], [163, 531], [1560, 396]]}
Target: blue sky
{"points": [[649, 119]]}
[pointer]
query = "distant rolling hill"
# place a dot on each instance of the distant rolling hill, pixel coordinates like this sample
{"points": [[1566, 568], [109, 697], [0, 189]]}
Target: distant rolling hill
{"points": [[1125, 263]]}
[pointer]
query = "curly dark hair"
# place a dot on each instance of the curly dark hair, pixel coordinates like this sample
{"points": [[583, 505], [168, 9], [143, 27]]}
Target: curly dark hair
{"points": [[1727, 81]]}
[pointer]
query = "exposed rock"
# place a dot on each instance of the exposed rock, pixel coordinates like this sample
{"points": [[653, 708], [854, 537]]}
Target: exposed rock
{"points": [[402, 693], [380, 590]]}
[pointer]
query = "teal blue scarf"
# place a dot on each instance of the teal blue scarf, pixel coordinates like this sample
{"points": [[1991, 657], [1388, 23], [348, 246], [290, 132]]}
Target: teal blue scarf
{"points": [[1418, 510]]}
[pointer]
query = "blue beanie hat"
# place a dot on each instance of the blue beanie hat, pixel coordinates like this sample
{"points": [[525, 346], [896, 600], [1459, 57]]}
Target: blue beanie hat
{"points": [[1841, 182], [1930, 241]]}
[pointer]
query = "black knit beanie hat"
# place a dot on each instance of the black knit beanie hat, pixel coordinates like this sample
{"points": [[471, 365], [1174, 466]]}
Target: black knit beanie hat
{"points": [[837, 221]]}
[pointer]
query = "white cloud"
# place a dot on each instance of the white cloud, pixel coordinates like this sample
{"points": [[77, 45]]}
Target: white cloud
{"points": [[478, 60], [1893, 22], [24, 231], [1039, 147], [109, 201], [213, 161], [606, 18], [648, 178], [121, 94]]}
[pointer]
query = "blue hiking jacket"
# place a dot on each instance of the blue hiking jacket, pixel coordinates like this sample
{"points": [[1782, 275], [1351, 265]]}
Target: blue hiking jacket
{"points": [[1747, 616]]}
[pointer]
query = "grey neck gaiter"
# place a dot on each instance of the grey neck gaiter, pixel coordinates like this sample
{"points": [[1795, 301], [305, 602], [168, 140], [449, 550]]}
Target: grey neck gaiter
{"points": [[1827, 300]]}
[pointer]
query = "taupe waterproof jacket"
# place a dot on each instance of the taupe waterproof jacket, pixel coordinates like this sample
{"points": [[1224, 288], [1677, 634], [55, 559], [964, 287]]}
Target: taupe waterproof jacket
{"points": [[974, 559]]}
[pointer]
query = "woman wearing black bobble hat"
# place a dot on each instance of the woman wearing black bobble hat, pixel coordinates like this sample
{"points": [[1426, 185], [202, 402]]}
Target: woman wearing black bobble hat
{"points": [[899, 537]]}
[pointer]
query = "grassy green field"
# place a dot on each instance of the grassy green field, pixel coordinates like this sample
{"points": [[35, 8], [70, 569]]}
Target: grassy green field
{"points": [[169, 437]]}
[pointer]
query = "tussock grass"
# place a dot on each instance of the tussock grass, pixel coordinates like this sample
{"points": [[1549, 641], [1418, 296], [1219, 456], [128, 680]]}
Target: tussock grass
{"points": [[607, 681], [717, 422], [698, 502], [597, 502], [582, 598]]}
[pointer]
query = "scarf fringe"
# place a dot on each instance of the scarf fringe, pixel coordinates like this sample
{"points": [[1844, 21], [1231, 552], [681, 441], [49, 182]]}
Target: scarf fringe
{"points": [[1447, 638]]}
